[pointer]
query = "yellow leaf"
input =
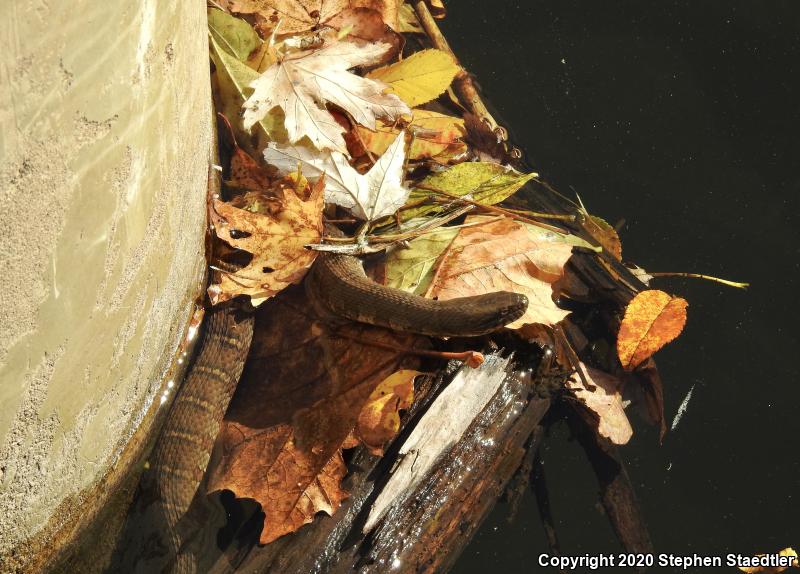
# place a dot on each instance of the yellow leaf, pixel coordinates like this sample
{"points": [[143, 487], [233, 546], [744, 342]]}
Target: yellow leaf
{"points": [[419, 78], [435, 136], [379, 420]]}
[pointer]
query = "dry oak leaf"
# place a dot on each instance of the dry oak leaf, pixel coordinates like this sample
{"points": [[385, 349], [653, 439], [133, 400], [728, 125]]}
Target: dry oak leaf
{"points": [[505, 255], [789, 554], [369, 196], [300, 396], [302, 15], [302, 82], [436, 136], [276, 241], [652, 319], [604, 400]]}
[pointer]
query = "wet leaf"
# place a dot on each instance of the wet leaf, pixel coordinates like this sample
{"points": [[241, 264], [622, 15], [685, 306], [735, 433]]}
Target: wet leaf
{"points": [[486, 183], [485, 142], [302, 82], [652, 319], [234, 35], [302, 392], [645, 384], [420, 78], [435, 136], [276, 241], [412, 269], [603, 399], [505, 255], [379, 420], [369, 196]]}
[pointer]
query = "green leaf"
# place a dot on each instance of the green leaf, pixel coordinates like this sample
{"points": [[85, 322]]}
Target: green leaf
{"points": [[412, 269], [233, 35], [483, 182], [234, 79], [419, 78]]}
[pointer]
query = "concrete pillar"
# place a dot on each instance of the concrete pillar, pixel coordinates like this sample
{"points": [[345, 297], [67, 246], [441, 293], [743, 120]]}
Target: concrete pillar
{"points": [[105, 131]]}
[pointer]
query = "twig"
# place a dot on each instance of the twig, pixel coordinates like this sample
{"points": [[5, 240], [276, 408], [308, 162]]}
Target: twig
{"points": [[462, 84], [495, 209], [472, 359], [553, 190], [736, 284], [374, 243]]}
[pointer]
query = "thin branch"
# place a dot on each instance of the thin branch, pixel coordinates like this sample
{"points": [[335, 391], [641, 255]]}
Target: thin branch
{"points": [[462, 84], [727, 282]]}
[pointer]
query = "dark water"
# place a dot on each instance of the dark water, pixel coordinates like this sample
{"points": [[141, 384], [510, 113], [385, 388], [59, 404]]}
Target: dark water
{"points": [[681, 117]]}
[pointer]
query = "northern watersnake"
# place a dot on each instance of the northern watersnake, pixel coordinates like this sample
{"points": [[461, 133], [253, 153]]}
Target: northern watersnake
{"points": [[337, 285]]}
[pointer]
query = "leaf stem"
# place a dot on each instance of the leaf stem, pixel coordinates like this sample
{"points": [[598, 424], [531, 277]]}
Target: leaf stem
{"points": [[727, 282], [473, 359]]}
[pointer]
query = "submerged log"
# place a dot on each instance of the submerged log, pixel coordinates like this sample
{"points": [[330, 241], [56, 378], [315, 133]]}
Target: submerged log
{"points": [[417, 507]]}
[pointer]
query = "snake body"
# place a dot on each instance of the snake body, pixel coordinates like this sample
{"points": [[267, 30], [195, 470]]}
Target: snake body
{"points": [[336, 286]]}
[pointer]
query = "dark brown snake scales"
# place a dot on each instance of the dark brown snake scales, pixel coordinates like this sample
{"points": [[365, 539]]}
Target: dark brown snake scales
{"points": [[336, 285]]}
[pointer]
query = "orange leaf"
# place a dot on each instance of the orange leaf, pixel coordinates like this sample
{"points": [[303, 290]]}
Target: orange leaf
{"points": [[300, 396], [505, 255], [276, 240], [652, 319], [605, 401]]}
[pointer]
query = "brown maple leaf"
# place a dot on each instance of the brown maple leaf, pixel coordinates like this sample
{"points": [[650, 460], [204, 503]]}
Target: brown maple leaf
{"points": [[505, 255], [300, 397], [276, 239]]}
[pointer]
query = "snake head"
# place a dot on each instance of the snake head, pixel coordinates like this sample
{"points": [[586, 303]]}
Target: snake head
{"points": [[482, 314], [508, 306]]}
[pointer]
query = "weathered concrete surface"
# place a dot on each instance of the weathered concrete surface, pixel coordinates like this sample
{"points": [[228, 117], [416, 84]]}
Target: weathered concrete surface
{"points": [[105, 130]]}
